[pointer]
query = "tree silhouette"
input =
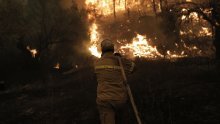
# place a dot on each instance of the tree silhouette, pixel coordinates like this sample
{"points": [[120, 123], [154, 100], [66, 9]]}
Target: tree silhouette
{"points": [[43, 25]]}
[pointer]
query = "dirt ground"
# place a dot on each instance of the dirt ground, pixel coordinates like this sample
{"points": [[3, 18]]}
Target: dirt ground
{"points": [[183, 92]]}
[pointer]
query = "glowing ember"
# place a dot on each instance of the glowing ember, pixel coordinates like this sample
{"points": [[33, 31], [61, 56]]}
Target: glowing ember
{"points": [[57, 66], [194, 16], [170, 55], [140, 48], [183, 17], [205, 32], [196, 29], [32, 51], [184, 10]]}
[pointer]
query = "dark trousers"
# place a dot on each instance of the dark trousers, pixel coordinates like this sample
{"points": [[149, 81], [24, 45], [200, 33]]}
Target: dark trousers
{"points": [[113, 112]]}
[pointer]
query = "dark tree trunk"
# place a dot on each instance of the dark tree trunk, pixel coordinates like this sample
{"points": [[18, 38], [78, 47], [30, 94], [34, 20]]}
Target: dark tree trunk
{"points": [[154, 7], [166, 3], [161, 5], [114, 8]]}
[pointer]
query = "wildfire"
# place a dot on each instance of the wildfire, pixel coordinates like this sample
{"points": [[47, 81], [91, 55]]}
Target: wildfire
{"points": [[32, 51], [94, 35], [196, 29], [94, 51], [140, 48], [140, 45], [106, 7], [94, 38]]}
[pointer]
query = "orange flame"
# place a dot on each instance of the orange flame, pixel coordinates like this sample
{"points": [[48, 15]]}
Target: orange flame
{"points": [[140, 48], [94, 38], [32, 51], [105, 7], [57, 66], [173, 55]]}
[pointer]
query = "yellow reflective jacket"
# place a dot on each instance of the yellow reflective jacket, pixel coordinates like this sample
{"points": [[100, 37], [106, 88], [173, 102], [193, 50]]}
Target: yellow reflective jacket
{"points": [[109, 77]]}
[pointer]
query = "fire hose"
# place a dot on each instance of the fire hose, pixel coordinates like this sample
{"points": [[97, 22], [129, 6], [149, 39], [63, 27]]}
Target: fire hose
{"points": [[129, 92]]}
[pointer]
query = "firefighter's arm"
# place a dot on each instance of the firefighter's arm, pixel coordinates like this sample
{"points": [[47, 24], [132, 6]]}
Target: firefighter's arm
{"points": [[129, 66]]}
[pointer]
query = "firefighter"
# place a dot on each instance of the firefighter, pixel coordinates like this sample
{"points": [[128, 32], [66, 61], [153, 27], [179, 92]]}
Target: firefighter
{"points": [[112, 97]]}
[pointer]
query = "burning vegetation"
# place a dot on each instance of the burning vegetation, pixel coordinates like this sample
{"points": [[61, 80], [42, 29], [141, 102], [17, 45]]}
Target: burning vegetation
{"points": [[193, 40], [149, 29]]}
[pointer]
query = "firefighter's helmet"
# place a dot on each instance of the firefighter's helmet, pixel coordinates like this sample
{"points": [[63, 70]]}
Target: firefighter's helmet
{"points": [[107, 45]]}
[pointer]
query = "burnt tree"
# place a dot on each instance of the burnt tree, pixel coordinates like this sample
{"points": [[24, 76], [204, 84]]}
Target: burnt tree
{"points": [[214, 20]]}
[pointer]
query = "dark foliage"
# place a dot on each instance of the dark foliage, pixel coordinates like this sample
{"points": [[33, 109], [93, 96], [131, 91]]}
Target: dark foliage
{"points": [[56, 33]]}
